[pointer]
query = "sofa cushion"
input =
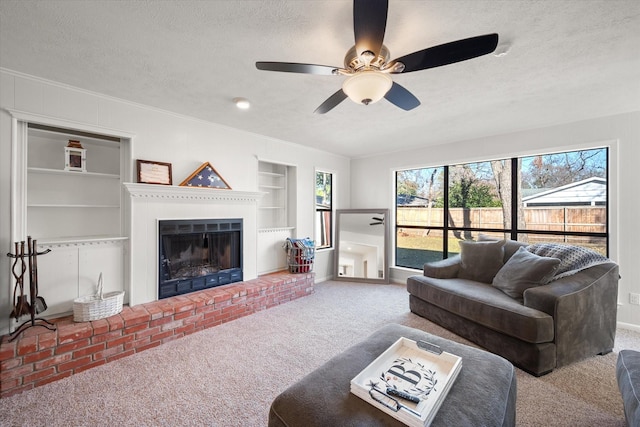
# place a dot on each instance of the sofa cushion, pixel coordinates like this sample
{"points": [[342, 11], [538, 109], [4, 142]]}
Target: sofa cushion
{"points": [[628, 376], [480, 261], [524, 270], [485, 305]]}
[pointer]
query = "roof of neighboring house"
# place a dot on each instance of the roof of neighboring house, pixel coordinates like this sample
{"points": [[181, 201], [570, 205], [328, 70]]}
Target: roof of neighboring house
{"points": [[590, 191], [410, 200], [528, 192]]}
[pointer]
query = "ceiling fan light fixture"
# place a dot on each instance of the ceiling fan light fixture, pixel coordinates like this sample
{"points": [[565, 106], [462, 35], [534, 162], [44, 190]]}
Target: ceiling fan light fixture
{"points": [[367, 87]]}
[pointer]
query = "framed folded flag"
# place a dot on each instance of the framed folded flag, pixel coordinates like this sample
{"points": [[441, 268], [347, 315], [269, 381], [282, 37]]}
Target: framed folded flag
{"points": [[206, 177]]}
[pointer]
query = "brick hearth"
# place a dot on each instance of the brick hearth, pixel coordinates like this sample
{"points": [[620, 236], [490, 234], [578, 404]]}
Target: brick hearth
{"points": [[39, 356]]}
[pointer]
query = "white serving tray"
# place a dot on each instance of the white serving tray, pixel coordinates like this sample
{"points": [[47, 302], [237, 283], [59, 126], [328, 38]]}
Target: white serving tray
{"points": [[418, 368]]}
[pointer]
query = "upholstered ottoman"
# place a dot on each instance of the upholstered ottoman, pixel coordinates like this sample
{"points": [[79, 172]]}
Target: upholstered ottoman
{"points": [[484, 394]]}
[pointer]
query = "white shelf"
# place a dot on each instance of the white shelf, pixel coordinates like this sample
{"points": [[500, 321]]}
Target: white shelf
{"points": [[273, 187], [272, 229], [271, 207], [279, 175], [62, 205], [70, 173], [84, 239]]}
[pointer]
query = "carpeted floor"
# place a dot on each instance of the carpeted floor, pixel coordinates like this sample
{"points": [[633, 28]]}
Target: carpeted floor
{"points": [[228, 375]]}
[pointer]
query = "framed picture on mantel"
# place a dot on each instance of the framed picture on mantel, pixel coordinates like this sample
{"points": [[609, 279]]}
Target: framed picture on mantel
{"points": [[154, 172]]}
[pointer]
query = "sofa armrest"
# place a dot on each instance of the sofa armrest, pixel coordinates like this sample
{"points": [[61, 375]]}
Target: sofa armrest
{"points": [[444, 269], [545, 298], [628, 376], [584, 309]]}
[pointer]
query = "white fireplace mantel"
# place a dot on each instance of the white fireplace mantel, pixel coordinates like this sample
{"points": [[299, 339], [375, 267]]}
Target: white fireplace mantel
{"points": [[152, 191], [150, 203]]}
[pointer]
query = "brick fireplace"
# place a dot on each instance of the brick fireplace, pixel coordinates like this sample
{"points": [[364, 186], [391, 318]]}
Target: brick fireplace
{"points": [[39, 356]]}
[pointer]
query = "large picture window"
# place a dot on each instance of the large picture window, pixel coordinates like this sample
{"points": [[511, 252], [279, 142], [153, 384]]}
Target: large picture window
{"points": [[559, 197], [324, 210]]}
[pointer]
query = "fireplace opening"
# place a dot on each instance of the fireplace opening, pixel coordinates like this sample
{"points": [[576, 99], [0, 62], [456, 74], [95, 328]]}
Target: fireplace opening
{"points": [[198, 254]]}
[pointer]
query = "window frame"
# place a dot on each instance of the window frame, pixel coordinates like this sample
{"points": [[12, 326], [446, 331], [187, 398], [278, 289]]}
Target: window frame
{"points": [[514, 230], [330, 210]]}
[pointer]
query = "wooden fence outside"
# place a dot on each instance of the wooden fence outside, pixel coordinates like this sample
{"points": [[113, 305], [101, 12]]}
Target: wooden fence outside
{"points": [[563, 218]]}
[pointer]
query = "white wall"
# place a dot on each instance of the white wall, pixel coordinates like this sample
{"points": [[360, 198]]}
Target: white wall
{"points": [[620, 132], [161, 136], [187, 143]]}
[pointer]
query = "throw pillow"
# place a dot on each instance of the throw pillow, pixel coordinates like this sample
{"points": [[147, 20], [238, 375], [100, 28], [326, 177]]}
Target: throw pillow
{"points": [[525, 270], [480, 261], [510, 246]]}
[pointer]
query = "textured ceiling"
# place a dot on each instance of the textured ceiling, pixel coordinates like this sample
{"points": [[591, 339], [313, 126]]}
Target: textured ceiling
{"points": [[567, 60]]}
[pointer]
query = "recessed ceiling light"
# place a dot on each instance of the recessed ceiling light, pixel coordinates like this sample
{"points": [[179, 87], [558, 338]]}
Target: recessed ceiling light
{"points": [[242, 103]]}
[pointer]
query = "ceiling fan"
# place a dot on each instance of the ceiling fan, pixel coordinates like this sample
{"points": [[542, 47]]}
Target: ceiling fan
{"points": [[367, 63]]}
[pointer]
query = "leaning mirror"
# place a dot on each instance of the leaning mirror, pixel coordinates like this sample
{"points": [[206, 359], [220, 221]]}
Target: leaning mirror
{"points": [[361, 250]]}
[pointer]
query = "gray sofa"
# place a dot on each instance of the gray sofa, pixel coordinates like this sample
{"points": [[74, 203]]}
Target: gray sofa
{"points": [[628, 376], [522, 308]]}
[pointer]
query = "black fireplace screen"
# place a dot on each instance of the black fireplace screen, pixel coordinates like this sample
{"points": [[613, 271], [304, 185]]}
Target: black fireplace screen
{"points": [[199, 254]]}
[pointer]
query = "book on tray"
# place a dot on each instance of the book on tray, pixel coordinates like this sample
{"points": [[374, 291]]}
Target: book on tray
{"points": [[409, 381]]}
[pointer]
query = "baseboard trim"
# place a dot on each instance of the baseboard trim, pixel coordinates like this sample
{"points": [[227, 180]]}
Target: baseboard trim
{"points": [[628, 326]]}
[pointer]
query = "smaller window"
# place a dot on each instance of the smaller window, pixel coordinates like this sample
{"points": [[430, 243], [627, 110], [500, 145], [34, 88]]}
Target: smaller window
{"points": [[324, 210]]}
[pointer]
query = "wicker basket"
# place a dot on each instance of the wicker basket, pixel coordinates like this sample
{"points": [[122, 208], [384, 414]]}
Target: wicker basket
{"points": [[300, 255], [99, 306]]}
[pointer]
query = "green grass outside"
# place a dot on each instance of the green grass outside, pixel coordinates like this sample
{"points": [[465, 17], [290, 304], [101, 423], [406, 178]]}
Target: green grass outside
{"points": [[414, 249]]}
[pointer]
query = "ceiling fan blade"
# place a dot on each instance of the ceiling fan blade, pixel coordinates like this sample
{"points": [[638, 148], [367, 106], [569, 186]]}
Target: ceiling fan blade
{"points": [[401, 97], [294, 67], [448, 53], [331, 102], [369, 23]]}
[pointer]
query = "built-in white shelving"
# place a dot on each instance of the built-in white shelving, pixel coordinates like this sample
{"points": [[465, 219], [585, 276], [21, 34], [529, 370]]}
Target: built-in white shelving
{"points": [[77, 212], [65, 204], [272, 181], [276, 220]]}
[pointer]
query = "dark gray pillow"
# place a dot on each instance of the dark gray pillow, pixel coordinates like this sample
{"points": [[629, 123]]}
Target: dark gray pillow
{"points": [[510, 246], [480, 261], [525, 270]]}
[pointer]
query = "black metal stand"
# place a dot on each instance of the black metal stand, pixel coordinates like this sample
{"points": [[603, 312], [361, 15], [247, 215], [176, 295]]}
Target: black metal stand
{"points": [[36, 303], [31, 323]]}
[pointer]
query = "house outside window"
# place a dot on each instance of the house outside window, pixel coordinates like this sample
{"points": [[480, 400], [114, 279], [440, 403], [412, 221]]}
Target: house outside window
{"points": [[324, 210], [556, 198]]}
